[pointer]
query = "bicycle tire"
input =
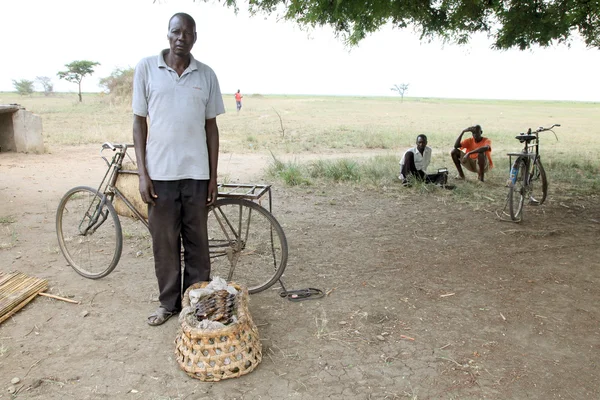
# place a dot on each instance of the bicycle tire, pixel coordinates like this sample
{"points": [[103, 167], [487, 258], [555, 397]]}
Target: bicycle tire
{"points": [[87, 253], [538, 174], [516, 191], [247, 244]]}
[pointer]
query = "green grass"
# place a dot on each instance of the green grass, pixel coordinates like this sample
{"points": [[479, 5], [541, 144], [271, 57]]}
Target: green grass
{"points": [[342, 170], [292, 173], [8, 219]]}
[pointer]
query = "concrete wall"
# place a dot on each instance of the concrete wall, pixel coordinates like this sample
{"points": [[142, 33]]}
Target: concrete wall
{"points": [[28, 132], [20, 130]]}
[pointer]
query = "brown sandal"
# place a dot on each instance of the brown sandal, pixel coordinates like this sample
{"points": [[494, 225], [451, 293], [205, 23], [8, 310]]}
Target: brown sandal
{"points": [[160, 316]]}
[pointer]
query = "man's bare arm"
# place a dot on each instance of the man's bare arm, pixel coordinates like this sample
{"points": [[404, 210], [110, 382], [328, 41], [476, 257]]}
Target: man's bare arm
{"points": [[212, 142], [140, 135], [459, 139], [482, 149]]}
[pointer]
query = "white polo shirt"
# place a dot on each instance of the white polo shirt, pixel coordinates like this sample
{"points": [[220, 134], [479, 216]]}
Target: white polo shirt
{"points": [[421, 160], [177, 107]]}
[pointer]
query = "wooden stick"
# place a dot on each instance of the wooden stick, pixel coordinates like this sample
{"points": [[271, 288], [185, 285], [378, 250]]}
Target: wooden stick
{"points": [[58, 298], [407, 337]]}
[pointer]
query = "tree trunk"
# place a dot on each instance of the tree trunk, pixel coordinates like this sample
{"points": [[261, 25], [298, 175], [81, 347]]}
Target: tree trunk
{"points": [[80, 92]]}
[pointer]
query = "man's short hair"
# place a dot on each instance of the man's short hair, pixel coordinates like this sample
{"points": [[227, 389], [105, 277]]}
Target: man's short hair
{"points": [[422, 136], [186, 16]]}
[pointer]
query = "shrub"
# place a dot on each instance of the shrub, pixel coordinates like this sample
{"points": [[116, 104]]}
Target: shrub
{"points": [[119, 83]]}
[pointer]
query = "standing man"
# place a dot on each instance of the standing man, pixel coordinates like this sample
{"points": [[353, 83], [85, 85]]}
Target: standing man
{"points": [[238, 100], [177, 157], [477, 154], [415, 162]]}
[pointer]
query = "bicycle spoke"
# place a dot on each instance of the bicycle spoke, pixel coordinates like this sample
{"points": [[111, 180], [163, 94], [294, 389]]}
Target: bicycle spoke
{"points": [[89, 232], [256, 251]]}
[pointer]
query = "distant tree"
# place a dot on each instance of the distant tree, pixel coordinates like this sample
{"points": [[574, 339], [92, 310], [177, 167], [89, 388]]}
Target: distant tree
{"points": [[401, 88], [46, 83], [76, 70], [119, 83], [23, 86], [510, 23]]}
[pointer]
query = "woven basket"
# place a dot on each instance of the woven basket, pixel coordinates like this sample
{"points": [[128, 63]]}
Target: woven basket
{"points": [[128, 182], [212, 355]]}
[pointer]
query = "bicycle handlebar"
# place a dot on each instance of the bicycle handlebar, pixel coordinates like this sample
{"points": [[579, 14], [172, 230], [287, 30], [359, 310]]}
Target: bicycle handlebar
{"points": [[115, 146], [542, 129], [533, 135]]}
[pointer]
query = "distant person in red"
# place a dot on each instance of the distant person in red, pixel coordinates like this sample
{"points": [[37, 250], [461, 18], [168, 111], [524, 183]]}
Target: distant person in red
{"points": [[477, 154], [238, 100]]}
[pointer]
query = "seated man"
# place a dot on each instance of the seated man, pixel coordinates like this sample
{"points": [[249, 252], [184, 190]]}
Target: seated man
{"points": [[478, 156], [415, 162]]}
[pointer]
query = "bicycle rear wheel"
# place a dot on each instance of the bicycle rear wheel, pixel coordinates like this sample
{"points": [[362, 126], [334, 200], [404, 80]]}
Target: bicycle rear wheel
{"points": [[516, 190], [89, 232], [247, 244], [538, 183]]}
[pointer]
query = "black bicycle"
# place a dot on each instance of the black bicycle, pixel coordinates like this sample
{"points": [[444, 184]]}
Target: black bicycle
{"points": [[527, 175]]}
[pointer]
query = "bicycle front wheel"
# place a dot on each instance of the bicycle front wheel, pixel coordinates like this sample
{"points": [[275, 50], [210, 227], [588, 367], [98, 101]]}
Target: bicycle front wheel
{"points": [[89, 232], [538, 183], [247, 244], [516, 190]]}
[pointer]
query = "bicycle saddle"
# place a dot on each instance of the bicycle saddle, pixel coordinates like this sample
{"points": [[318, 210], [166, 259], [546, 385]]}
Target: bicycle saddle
{"points": [[525, 138]]}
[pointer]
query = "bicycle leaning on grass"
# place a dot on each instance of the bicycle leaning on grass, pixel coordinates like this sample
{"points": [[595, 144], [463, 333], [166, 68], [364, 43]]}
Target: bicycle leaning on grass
{"points": [[527, 175], [246, 243]]}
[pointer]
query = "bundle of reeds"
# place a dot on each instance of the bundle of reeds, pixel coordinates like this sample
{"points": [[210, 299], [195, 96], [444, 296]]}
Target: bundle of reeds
{"points": [[16, 290]]}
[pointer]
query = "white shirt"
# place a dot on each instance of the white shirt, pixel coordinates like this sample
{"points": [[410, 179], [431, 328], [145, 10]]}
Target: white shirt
{"points": [[421, 160]]}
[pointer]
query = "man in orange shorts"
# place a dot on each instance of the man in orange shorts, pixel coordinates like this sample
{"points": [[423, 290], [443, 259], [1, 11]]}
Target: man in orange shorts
{"points": [[474, 153]]}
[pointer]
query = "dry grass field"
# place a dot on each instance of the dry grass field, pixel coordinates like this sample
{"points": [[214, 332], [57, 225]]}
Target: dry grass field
{"points": [[320, 124], [429, 294], [377, 130]]}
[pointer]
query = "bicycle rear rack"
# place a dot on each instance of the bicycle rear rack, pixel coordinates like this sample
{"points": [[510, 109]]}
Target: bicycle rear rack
{"points": [[244, 191]]}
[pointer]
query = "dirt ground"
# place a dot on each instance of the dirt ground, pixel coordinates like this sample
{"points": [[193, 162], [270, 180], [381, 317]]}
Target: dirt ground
{"points": [[428, 298]]}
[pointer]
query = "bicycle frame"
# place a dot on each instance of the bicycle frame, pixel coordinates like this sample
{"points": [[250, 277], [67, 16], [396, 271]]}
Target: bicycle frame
{"points": [[524, 171], [530, 152], [109, 191]]}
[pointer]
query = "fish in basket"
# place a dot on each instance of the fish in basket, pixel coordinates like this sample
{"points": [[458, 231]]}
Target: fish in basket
{"points": [[217, 338]]}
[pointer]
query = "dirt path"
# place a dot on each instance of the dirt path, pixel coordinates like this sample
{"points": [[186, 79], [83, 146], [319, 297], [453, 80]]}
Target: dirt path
{"points": [[421, 304]]}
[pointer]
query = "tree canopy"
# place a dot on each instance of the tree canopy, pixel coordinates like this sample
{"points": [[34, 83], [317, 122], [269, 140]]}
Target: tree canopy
{"points": [[46, 83], [510, 23], [76, 70], [23, 86]]}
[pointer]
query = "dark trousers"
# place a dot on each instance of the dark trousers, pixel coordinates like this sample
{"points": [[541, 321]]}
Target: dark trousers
{"points": [[179, 217], [408, 168]]}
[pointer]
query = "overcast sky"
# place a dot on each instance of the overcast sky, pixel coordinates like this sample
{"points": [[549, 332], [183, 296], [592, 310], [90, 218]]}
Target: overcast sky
{"points": [[261, 55]]}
